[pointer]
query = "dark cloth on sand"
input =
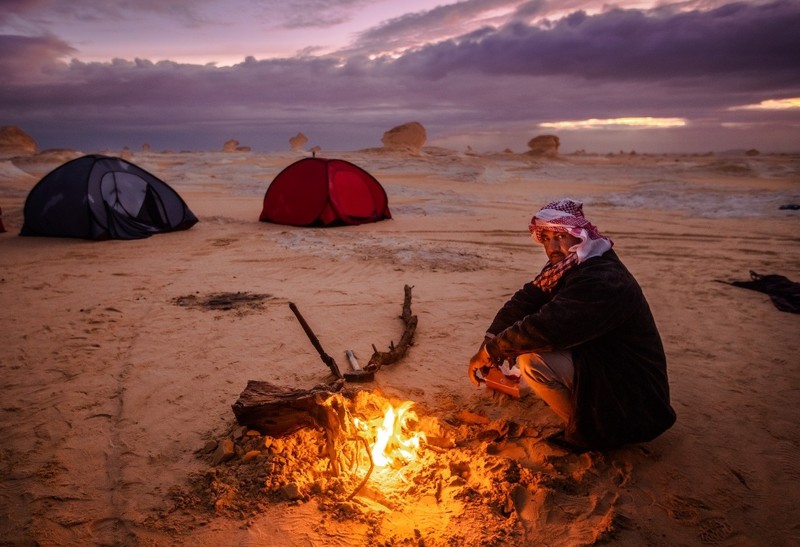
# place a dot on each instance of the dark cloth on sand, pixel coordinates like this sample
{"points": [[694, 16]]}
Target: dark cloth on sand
{"points": [[598, 312], [783, 292]]}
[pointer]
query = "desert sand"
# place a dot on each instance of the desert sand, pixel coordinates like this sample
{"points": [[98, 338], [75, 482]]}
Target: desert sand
{"points": [[115, 396]]}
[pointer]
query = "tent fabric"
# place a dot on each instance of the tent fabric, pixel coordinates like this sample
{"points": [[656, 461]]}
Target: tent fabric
{"points": [[103, 197], [324, 192]]}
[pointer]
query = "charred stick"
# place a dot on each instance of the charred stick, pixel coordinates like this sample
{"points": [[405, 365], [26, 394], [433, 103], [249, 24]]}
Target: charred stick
{"points": [[327, 359]]}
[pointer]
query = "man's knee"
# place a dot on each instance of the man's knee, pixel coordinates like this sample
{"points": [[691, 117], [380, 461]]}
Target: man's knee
{"points": [[558, 398], [552, 370], [549, 376]]}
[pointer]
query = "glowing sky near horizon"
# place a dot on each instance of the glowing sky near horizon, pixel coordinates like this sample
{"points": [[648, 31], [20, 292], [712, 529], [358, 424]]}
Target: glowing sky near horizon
{"points": [[486, 73]]}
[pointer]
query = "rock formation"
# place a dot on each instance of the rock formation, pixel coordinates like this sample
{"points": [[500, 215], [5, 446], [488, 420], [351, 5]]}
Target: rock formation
{"points": [[409, 137], [298, 141], [232, 145], [15, 142], [544, 145]]}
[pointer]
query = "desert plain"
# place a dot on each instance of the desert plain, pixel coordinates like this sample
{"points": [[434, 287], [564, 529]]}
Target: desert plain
{"points": [[115, 397]]}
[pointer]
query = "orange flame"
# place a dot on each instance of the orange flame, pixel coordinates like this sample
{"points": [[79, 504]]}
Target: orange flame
{"points": [[391, 439]]}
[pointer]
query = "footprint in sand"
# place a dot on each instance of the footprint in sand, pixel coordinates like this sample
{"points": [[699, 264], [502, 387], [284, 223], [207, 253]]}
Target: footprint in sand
{"points": [[216, 242], [685, 510], [788, 454], [715, 530]]}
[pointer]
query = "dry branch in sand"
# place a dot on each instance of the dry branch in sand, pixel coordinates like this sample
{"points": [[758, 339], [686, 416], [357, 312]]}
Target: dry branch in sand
{"points": [[395, 353]]}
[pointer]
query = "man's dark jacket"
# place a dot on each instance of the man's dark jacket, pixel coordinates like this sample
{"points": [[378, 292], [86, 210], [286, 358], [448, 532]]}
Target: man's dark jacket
{"points": [[598, 312]]}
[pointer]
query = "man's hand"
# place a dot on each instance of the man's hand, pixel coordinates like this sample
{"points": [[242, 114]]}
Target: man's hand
{"points": [[480, 362]]}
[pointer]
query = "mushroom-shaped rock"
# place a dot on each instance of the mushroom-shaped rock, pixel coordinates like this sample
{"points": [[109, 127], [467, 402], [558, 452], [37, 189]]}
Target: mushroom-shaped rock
{"points": [[408, 137], [298, 141], [15, 142], [544, 145]]}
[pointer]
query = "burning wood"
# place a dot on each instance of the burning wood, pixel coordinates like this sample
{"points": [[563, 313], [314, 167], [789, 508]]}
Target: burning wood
{"points": [[357, 437], [361, 431]]}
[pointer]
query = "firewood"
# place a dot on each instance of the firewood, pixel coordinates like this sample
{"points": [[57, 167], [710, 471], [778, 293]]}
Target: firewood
{"points": [[396, 353], [276, 411]]}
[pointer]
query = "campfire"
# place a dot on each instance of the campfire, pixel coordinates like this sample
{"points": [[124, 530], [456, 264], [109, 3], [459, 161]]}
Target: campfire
{"points": [[371, 440], [330, 445], [362, 434], [390, 442], [391, 438]]}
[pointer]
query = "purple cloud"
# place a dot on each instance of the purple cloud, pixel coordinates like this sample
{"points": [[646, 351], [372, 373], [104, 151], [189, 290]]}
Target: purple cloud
{"points": [[734, 40], [25, 58], [413, 29]]}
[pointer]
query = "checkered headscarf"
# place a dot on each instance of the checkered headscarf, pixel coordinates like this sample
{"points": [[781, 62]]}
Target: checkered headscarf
{"points": [[566, 215]]}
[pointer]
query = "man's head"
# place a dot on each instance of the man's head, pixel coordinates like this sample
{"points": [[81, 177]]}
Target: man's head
{"points": [[561, 227], [556, 244]]}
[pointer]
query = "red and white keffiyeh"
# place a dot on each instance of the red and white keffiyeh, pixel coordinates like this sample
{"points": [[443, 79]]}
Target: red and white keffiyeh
{"points": [[566, 215]]}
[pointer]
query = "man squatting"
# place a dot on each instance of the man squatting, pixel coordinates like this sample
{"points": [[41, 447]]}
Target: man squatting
{"points": [[584, 338]]}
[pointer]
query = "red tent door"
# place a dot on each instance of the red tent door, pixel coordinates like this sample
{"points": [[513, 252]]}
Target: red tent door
{"points": [[351, 195]]}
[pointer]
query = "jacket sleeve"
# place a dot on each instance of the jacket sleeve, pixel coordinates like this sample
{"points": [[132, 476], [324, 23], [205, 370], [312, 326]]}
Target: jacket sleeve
{"points": [[527, 300], [592, 300]]}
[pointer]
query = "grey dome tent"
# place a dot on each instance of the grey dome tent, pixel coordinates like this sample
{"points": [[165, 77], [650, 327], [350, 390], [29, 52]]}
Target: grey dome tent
{"points": [[103, 197]]}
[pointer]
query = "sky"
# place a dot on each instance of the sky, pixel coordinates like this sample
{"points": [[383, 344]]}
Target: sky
{"points": [[694, 76]]}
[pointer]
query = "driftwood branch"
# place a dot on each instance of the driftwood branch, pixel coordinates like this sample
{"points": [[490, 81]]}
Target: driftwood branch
{"points": [[276, 411], [395, 353]]}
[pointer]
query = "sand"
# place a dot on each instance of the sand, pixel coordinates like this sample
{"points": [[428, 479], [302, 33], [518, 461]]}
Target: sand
{"points": [[115, 393]]}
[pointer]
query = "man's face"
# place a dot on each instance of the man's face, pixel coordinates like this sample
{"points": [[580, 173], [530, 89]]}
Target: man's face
{"points": [[557, 244]]}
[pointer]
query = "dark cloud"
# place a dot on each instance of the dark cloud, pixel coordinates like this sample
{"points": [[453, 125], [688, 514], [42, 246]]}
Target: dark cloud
{"points": [[179, 11], [28, 59], [421, 27], [149, 99], [531, 10], [314, 13], [737, 39], [14, 8]]}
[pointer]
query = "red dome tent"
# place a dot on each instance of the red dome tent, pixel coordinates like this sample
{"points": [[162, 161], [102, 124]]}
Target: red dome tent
{"points": [[324, 192]]}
